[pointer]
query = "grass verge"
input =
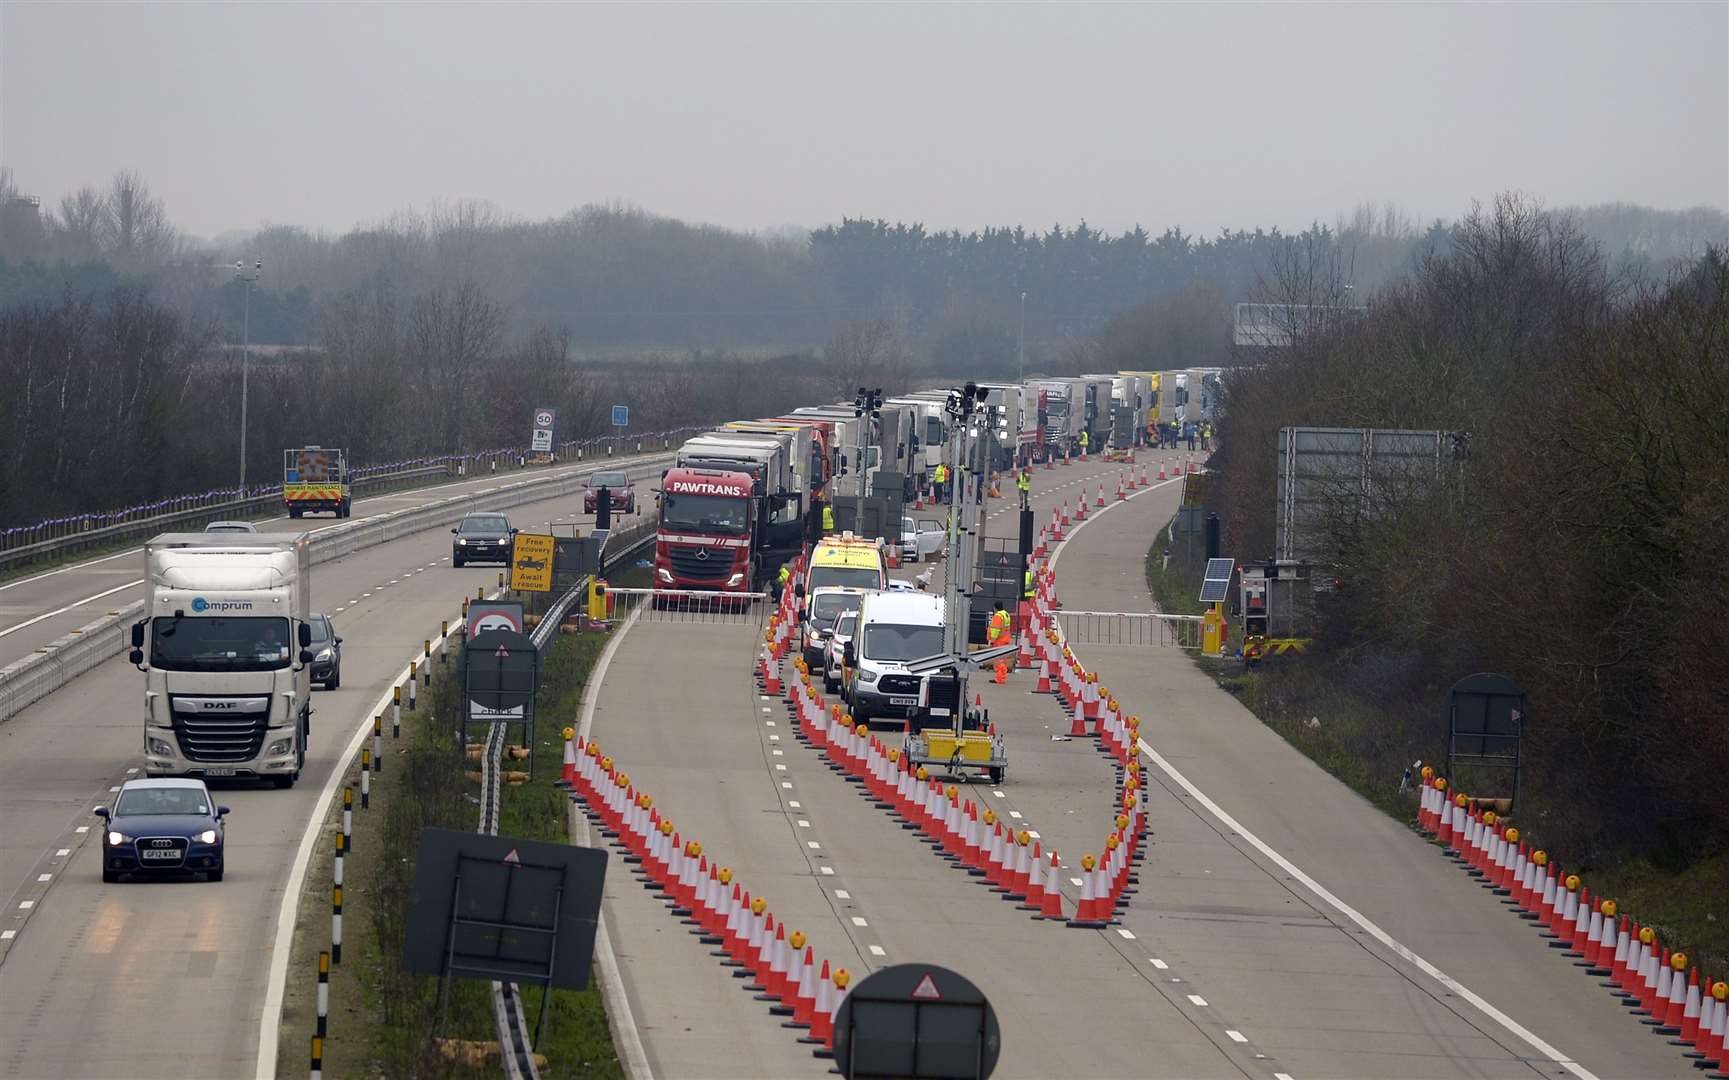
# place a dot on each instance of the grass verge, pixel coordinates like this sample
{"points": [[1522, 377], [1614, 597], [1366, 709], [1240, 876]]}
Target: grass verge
{"points": [[1327, 709], [382, 1021]]}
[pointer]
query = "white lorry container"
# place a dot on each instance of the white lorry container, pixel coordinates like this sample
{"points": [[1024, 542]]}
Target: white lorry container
{"points": [[929, 426], [224, 650], [766, 457]]}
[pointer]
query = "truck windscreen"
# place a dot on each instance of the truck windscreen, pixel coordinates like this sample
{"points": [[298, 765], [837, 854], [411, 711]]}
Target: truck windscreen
{"points": [[705, 513], [218, 643], [899, 644]]}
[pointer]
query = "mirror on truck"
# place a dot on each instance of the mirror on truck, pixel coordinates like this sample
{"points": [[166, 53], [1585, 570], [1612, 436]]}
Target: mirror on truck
{"points": [[138, 635], [136, 657], [848, 656], [305, 634], [306, 656]]}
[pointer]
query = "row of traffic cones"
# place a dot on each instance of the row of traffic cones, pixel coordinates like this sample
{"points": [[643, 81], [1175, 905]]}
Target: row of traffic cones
{"points": [[1012, 862], [781, 967], [1655, 983]]}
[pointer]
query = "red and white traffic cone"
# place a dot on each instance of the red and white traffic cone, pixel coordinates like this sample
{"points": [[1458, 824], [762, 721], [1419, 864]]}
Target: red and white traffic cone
{"points": [[1088, 915], [1101, 501], [1053, 901], [1035, 900], [822, 1016], [1121, 494], [804, 1004]]}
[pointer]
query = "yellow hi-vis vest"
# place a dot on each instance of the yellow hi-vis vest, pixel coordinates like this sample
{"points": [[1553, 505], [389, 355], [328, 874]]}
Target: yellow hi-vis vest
{"points": [[827, 518], [941, 474], [1025, 482], [1027, 588], [1083, 440], [999, 628]]}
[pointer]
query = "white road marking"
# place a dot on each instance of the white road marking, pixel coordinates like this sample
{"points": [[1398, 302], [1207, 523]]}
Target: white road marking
{"points": [[793, 802], [83, 829], [68, 569], [1127, 934], [62, 853], [768, 723], [1078, 882], [878, 950], [1160, 964], [1016, 814], [774, 738], [1198, 1000], [1236, 1036], [778, 753], [842, 894], [782, 768], [1033, 834], [825, 869], [813, 845], [132, 770], [1283, 1076], [8, 935], [62, 610], [115, 788], [998, 795], [786, 783], [804, 824], [858, 920], [26, 905]]}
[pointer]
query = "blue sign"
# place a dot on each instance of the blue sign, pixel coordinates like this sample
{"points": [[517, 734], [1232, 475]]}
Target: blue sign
{"points": [[621, 416]]}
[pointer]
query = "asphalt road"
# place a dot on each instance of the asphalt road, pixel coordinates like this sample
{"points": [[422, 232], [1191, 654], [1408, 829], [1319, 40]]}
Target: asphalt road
{"points": [[1228, 962], [167, 979], [39, 608]]}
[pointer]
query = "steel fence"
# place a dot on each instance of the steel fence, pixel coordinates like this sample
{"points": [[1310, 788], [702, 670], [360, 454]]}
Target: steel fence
{"points": [[1149, 628], [689, 606]]}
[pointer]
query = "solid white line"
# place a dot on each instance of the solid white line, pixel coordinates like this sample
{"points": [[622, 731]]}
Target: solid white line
{"points": [[1387, 940], [270, 1023], [63, 610]]}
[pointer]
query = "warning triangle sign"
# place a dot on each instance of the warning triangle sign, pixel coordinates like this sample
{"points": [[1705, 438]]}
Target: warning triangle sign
{"points": [[926, 990], [502, 652], [513, 859]]}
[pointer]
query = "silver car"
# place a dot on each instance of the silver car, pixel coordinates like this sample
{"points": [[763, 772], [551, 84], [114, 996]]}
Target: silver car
{"points": [[922, 539], [231, 527], [835, 647]]}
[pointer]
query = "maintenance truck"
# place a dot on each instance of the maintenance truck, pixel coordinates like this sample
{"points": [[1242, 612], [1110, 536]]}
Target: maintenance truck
{"points": [[315, 480], [225, 647]]}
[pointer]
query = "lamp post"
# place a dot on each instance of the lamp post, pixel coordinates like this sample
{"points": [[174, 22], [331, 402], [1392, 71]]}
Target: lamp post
{"points": [[247, 278]]}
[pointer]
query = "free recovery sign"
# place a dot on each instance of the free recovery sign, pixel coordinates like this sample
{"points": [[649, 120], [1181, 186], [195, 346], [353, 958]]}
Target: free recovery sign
{"points": [[531, 563]]}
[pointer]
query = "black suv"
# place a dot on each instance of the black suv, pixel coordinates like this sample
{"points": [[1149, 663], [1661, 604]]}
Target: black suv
{"points": [[482, 538]]}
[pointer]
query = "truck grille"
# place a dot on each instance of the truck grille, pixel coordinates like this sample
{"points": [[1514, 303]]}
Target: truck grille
{"points": [[220, 737], [714, 569], [899, 685]]}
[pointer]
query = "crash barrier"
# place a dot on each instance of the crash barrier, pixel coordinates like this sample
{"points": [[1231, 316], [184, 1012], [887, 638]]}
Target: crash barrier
{"points": [[1658, 985], [74, 532], [1007, 857], [778, 968], [29, 680], [687, 606], [1153, 628]]}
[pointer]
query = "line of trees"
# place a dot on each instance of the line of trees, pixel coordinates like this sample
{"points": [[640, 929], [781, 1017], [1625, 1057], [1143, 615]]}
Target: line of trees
{"points": [[1578, 548]]}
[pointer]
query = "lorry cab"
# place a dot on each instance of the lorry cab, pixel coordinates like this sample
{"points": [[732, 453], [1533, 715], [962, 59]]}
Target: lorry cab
{"points": [[893, 630]]}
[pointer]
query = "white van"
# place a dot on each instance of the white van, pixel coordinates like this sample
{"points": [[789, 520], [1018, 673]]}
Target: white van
{"points": [[894, 628]]}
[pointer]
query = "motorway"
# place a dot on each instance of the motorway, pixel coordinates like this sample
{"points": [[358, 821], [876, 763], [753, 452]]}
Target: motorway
{"points": [[168, 979], [1283, 927]]}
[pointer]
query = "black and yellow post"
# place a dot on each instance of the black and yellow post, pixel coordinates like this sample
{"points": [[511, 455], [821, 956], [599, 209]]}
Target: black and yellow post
{"points": [[348, 812], [396, 711], [341, 856], [378, 743], [426, 649], [366, 779], [323, 994], [336, 924], [413, 684], [317, 1057]]}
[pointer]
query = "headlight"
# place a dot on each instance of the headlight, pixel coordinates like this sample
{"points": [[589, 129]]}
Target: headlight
{"points": [[208, 836], [734, 580], [867, 677], [280, 746], [323, 655], [115, 839], [158, 747], [665, 576], [460, 542]]}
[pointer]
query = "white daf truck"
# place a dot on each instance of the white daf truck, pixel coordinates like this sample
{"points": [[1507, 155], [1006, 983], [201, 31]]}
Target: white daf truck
{"points": [[224, 647]]}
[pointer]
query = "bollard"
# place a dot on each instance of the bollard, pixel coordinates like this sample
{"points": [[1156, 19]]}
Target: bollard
{"points": [[336, 924], [323, 993], [426, 658], [317, 1057], [413, 685], [341, 857], [348, 812], [366, 779], [378, 743], [396, 712]]}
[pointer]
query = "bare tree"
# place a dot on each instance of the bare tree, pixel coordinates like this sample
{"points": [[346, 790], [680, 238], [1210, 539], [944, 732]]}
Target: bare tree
{"points": [[135, 229], [453, 334], [82, 214], [866, 351]]}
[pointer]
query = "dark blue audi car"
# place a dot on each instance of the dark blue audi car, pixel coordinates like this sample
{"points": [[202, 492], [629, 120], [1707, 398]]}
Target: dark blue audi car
{"points": [[162, 826]]}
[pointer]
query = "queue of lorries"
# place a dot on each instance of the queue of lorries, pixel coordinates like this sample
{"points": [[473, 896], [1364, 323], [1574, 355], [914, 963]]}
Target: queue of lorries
{"points": [[230, 647]]}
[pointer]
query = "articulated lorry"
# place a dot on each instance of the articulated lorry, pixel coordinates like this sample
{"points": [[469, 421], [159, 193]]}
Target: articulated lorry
{"points": [[315, 480], [730, 509], [225, 650]]}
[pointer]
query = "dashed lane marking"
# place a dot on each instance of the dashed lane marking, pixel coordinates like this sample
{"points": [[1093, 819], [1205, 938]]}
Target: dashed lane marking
{"points": [[878, 950], [1198, 1000], [842, 894], [1160, 964], [1236, 1036], [826, 871], [859, 920]]}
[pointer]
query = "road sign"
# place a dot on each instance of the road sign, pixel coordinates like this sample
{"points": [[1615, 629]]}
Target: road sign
{"points": [[531, 562], [916, 1021], [494, 615], [621, 416], [545, 421], [500, 672]]}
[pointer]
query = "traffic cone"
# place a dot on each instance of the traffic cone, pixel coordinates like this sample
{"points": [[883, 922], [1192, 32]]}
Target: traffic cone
{"points": [[804, 1003], [1035, 900], [1676, 1006], [567, 777], [1121, 494], [1087, 913], [1690, 1014], [1162, 475], [822, 1017], [1053, 901], [1101, 501]]}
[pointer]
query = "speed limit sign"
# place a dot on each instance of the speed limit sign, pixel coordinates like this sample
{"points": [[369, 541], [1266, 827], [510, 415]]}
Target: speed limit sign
{"points": [[543, 419]]}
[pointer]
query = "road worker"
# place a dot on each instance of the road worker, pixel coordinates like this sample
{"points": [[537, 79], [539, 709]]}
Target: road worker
{"points": [[1025, 483], [780, 581], [999, 626], [1083, 444], [827, 519], [939, 478]]}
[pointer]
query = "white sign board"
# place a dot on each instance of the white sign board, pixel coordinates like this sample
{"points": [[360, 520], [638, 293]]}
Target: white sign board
{"points": [[545, 420]]}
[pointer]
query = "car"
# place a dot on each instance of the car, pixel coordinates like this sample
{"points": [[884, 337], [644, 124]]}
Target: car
{"points": [[166, 825], [619, 490], [834, 648], [326, 650], [482, 538], [894, 629], [231, 527], [817, 615], [921, 540]]}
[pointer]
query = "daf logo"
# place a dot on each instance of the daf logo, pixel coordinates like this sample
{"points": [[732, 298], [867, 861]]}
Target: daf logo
{"points": [[210, 706], [701, 554]]}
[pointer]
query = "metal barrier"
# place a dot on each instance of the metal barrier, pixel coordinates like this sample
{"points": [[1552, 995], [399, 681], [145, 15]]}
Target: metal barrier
{"points": [[690, 606], [1151, 628]]}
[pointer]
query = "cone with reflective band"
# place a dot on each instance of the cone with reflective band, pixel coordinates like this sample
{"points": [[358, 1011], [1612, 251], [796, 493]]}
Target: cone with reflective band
{"points": [[1690, 1007], [1053, 899], [804, 1002]]}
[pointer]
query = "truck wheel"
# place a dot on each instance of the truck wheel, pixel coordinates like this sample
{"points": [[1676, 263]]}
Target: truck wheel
{"points": [[294, 511], [283, 783], [347, 509], [996, 776]]}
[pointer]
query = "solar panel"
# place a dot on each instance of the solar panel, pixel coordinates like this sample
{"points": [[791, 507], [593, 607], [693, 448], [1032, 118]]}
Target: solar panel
{"points": [[1216, 587]]}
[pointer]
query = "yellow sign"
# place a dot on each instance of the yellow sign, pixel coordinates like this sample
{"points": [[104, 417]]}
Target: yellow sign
{"points": [[531, 563]]}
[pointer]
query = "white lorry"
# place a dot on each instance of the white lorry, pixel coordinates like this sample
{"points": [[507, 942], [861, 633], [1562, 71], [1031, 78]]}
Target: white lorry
{"points": [[224, 647]]}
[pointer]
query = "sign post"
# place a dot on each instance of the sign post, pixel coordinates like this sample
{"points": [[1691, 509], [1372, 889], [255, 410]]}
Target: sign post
{"points": [[545, 421], [621, 416], [500, 673], [531, 558]]}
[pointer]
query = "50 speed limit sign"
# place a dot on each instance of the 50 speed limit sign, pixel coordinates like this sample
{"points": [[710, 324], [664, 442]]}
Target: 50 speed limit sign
{"points": [[543, 419]]}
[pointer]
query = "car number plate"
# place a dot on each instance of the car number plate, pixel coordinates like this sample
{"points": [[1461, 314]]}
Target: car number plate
{"points": [[163, 853], [903, 701], [219, 771]]}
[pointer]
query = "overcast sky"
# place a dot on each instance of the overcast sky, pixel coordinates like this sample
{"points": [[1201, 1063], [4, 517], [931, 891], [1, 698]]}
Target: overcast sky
{"points": [[757, 115]]}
